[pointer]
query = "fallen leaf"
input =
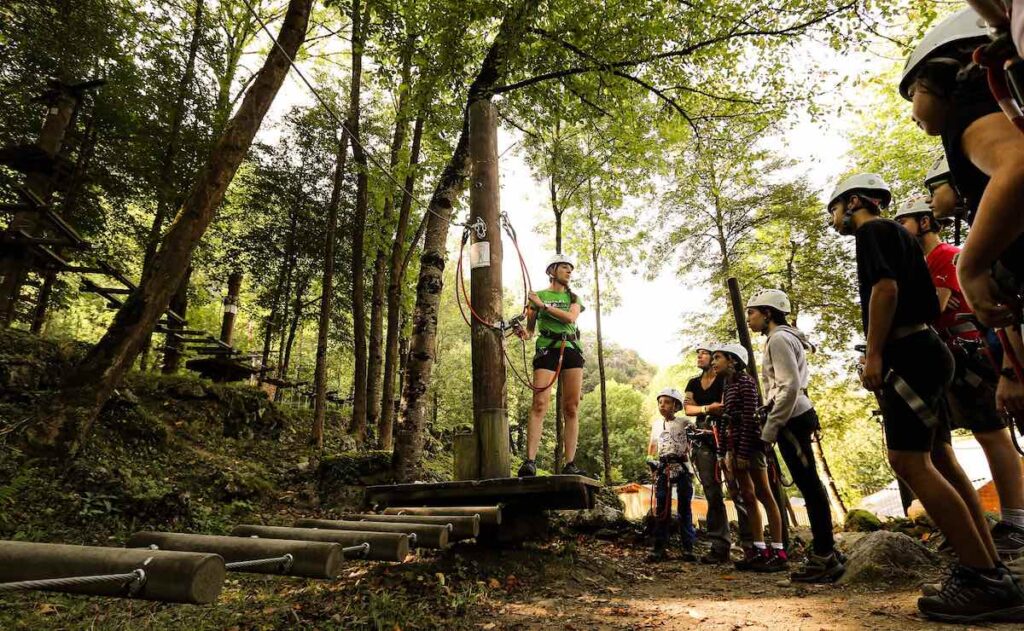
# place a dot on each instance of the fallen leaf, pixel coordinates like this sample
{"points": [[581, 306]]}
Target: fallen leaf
{"points": [[493, 583]]}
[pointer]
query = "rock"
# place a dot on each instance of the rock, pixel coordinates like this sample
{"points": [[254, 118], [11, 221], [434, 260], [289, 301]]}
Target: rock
{"points": [[859, 520], [888, 557], [607, 516], [187, 390]]}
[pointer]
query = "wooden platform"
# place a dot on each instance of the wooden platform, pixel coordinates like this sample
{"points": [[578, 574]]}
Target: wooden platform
{"points": [[553, 492]]}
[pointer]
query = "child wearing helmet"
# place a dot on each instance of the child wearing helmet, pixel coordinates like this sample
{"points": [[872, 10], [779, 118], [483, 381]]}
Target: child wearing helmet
{"points": [[985, 152], [792, 422], [971, 398], [743, 452], [909, 368], [552, 314], [671, 448]]}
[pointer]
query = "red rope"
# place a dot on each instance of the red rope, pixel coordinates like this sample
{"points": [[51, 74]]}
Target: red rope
{"points": [[996, 74], [462, 295]]}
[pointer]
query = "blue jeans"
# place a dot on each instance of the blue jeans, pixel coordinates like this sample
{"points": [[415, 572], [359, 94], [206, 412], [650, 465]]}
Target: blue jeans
{"points": [[663, 509]]}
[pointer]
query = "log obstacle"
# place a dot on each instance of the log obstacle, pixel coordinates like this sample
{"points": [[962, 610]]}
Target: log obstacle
{"points": [[384, 546], [462, 527], [433, 536], [165, 576], [309, 559], [488, 515]]}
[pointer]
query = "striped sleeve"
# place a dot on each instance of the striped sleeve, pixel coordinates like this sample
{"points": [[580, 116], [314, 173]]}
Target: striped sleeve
{"points": [[749, 432]]}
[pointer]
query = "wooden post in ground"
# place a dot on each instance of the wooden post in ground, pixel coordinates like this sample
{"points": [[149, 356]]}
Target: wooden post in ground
{"points": [[490, 420], [227, 326]]}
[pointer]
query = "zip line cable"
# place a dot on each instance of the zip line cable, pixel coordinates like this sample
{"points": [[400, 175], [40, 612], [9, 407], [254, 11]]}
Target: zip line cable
{"points": [[355, 139]]}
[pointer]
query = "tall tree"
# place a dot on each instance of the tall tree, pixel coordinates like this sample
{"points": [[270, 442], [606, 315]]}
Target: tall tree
{"points": [[358, 425], [66, 422]]}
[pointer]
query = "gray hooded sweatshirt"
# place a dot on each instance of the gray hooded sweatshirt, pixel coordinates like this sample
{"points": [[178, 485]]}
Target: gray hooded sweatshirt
{"points": [[784, 368]]}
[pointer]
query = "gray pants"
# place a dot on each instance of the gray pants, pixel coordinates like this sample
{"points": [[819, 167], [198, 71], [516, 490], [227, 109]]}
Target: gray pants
{"points": [[706, 461]]}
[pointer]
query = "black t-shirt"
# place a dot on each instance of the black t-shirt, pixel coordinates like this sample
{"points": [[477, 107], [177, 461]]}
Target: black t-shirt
{"points": [[886, 250], [713, 394], [973, 100]]}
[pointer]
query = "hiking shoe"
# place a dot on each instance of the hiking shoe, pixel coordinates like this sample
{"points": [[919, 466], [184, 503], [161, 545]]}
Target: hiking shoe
{"points": [[775, 561], [570, 468], [820, 569], [657, 555], [750, 557], [687, 555], [970, 596], [715, 558], [528, 469], [1009, 540]]}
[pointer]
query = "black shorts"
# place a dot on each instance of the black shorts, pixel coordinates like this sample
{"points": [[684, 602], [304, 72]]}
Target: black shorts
{"points": [[974, 408], [547, 358], [924, 362]]}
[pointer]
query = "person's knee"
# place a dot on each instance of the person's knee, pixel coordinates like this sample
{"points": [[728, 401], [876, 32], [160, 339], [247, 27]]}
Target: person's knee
{"points": [[570, 408], [907, 464]]}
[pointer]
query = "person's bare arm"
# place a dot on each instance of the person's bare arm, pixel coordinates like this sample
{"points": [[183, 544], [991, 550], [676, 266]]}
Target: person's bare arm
{"points": [[992, 11], [996, 147], [944, 295], [881, 310]]}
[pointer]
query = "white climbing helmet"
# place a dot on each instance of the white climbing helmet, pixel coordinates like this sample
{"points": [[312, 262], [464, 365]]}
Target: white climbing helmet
{"points": [[869, 183], [917, 205], [704, 346], [736, 350], [963, 26], [939, 172], [774, 298], [557, 260], [673, 394]]}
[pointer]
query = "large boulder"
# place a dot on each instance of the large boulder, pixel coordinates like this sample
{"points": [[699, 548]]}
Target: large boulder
{"points": [[889, 557], [608, 514]]}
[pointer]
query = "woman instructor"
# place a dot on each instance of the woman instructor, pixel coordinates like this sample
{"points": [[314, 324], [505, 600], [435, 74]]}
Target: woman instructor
{"points": [[552, 314]]}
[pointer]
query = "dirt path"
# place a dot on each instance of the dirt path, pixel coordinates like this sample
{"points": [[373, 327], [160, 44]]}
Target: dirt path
{"points": [[611, 588]]}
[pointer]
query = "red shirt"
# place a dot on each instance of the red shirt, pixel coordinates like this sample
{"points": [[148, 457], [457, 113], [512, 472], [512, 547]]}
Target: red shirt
{"points": [[942, 267]]}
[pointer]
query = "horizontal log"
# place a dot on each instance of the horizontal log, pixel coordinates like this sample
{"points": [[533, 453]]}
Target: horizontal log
{"points": [[384, 546], [434, 536], [463, 527], [311, 559], [489, 515], [552, 492], [180, 577]]}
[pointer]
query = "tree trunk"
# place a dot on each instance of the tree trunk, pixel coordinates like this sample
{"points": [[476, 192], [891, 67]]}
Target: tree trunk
{"points": [[396, 279], [358, 426], [595, 256], [830, 484], [293, 325], [66, 422], [227, 325], [327, 295], [167, 188], [175, 345], [412, 422]]}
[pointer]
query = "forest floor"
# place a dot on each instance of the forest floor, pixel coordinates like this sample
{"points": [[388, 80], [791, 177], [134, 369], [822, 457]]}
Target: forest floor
{"points": [[179, 454]]}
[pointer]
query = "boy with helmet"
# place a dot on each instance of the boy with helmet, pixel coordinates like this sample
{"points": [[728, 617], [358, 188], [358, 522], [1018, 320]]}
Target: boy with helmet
{"points": [[669, 443], [971, 397], [552, 314], [745, 458], [985, 156], [792, 422], [909, 368], [703, 398], [984, 150]]}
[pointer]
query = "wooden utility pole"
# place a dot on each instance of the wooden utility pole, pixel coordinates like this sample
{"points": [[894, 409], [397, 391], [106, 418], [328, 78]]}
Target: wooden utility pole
{"points": [[490, 420]]}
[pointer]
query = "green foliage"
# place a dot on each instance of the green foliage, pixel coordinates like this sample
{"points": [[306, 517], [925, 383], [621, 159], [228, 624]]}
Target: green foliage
{"points": [[628, 432]]}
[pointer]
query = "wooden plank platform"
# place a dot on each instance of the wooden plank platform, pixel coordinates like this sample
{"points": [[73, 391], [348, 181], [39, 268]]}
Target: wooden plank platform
{"points": [[553, 492]]}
